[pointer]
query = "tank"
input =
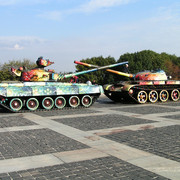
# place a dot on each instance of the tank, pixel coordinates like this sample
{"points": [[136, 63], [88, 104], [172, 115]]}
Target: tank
{"points": [[146, 86], [40, 89]]}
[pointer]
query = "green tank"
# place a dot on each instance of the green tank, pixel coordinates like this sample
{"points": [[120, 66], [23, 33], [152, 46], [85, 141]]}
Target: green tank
{"points": [[40, 89]]}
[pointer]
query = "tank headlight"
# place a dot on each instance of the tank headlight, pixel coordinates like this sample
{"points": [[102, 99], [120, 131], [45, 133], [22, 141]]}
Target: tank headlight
{"points": [[130, 91]]}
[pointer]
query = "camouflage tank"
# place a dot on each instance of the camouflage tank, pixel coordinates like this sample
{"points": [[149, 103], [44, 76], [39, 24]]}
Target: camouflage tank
{"points": [[41, 89], [145, 86]]}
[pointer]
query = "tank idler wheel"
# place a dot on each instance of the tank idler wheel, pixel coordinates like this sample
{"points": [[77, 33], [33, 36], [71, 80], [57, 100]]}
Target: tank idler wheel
{"points": [[142, 97], [153, 96], [60, 102], [16, 104], [86, 101], [32, 104], [163, 95], [175, 95], [74, 101], [48, 103]]}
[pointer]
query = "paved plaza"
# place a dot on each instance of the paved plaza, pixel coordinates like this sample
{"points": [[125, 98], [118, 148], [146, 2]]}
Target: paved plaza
{"points": [[106, 141]]}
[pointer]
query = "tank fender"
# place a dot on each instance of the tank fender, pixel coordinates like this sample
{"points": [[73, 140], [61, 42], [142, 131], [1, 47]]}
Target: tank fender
{"points": [[127, 87]]}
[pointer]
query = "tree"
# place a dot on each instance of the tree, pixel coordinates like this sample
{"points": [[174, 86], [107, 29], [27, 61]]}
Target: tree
{"points": [[18, 63], [172, 69], [5, 75], [150, 60], [143, 60], [5, 69]]}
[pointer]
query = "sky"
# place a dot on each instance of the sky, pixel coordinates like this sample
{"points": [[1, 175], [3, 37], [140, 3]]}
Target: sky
{"points": [[67, 30]]}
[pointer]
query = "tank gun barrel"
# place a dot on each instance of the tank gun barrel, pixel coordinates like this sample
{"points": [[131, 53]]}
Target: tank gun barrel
{"points": [[121, 73], [92, 70], [109, 70]]}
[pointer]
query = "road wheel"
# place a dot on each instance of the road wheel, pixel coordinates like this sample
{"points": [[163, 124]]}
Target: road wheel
{"points": [[74, 101], [175, 95], [153, 96], [142, 97], [16, 104], [48, 103], [163, 95], [32, 104], [86, 100], [60, 102]]}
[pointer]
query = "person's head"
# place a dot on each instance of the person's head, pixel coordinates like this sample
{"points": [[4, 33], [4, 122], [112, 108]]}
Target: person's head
{"points": [[127, 65], [21, 68]]}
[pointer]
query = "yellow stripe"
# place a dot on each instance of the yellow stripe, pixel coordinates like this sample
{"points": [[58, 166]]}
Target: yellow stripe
{"points": [[107, 87]]}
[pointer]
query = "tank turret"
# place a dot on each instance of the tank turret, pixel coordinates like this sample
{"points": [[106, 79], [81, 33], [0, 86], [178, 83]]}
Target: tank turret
{"points": [[144, 86], [36, 74]]}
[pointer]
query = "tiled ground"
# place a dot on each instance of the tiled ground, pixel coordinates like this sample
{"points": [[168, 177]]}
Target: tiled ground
{"points": [[177, 117], [101, 122], [98, 169], [170, 103], [66, 112], [14, 121], [163, 141], [35, 142], [147, 109], [57, 135]]}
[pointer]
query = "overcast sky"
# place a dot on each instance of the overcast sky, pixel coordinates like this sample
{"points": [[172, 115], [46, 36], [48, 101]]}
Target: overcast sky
{"points": [[68, 30]]}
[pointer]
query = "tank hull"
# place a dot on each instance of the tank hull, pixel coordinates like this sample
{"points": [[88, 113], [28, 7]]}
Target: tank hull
{"points": [[22, 96], [143, 91]]}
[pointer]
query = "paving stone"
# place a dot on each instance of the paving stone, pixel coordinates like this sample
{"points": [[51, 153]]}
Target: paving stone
{"points": [[101, 122], [65, 112], [147, 109], [171, 103], [164, 141], [35, 142], [106, 102], [11, 121], [101, 168], [177, 117]]}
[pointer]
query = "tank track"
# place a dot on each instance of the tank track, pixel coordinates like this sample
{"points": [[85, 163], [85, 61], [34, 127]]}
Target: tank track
{"points": [[124, 96], [117, 98], [150, 88], [44, 110]]}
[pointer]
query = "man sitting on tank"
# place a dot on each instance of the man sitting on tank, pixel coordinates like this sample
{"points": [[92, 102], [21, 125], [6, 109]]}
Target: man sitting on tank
{"points": [[74, 79], [125, 69]]}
